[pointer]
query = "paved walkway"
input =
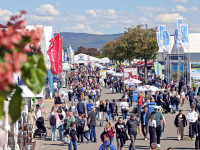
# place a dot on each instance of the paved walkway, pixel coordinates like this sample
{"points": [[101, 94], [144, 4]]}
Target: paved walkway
{"points": [[169, 136]]}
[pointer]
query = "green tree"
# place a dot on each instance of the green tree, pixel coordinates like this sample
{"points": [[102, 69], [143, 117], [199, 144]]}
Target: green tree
{"points": [[143, 41]]}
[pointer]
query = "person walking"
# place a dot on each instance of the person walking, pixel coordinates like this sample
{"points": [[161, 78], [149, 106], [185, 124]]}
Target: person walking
{"points": [[180, 122], [92, 124], [159, 123], [106, 145], [70, 119], [191, 95], [101, 110], [197, 102], [144, 119], [32, 118], [85, 128], [115, 110], [152, 129], [60, 127], [132, 125], [57, 100], [124, 105], [110, 130], [109, 110], [71, 133], [121, 135], [73, 107], [182, 98], [130, 96], [139, 103], [197, 131], [53, 118], [80, 107], [192, 117], [89, 106]]}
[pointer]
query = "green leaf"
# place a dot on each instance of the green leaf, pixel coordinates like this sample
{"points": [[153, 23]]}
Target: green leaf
{"points": [[2, 113], [34, 73], [16, 105]]}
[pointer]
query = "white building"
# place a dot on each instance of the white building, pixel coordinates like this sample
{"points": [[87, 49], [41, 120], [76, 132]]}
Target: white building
{"points": [[83, 59]]}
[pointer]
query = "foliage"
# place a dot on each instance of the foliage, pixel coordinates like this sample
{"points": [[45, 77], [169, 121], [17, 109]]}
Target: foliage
{"points": [[89, 51], [17, 46]]}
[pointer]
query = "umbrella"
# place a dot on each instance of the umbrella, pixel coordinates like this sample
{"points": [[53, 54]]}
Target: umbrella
{"points": [[110, 72], [132, 81], [118, 74], [148, 88]]}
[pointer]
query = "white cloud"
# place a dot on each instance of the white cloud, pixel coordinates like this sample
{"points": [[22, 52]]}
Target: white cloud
{"points": [[91, 12], [181, 1], [151, 9], [42, 18], [144, 20], [167, 18], [47, 10], [181, 9], [84, 28], [58, 5], [5, 15]]}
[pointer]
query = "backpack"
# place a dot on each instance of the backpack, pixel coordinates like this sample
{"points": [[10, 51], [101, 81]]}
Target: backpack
{"points": [[106, 147], [52, 120]]}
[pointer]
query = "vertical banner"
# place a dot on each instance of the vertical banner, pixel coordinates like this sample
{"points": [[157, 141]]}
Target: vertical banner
{"points": [[166, 41], [50, 81], [60, 54], [179, 23], [70, 55], [88, 59], [158, 69], [130, 73], [53, 53], [184, 37], [159, 42]]}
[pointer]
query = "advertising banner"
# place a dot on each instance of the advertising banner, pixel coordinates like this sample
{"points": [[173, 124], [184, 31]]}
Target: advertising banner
{"points": [[195, 75], [60, 54], [103, 73], [130, 73]]}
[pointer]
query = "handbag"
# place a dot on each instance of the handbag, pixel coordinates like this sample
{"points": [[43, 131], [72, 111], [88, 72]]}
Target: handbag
{"points": [[67, 140], [86, 128], [127, 109]]}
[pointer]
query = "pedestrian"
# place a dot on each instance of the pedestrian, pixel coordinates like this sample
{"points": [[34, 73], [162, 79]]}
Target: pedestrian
{"points": [[71, 133], [124, 107], [144, 119], [115, 110], [80, 107], [197, 131], [73, 107], [130, 95], [106, 145], [180, 122], [101, 110], [121, 135], [38, 112], [192, 117], [32, 118], [182, 97], [57, 100], [109, 110], [60, 126], [159, 123], [70, 119], [96, 106], [152, 129], [177, 102], [110, 130], [84, 127], [53, 118], [197, 102], [92, 124], [133, 125], [191, 94], [89, 106], [139, 103]]}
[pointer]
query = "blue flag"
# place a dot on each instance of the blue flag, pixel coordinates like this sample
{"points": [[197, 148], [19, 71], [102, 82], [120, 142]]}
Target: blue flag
{"points": [[166, 40], [179, 23], [184, 37]]}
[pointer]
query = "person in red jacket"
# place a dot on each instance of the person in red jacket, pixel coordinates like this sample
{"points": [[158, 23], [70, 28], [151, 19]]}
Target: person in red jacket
{"points": [[110, 130]]}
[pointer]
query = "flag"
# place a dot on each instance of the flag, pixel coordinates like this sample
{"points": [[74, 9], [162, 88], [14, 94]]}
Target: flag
{"points": [[184, 37], [70, 54], [177, 39], [60, 54], [53, 53], [166, 41], [179, 23], [160, 35], [159, 42]]}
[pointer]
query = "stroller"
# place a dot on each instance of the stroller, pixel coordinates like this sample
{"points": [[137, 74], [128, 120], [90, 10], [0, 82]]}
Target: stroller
{"points": [[41, 130]]}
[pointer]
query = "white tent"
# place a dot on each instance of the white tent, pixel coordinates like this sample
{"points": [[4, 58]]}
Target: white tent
{"points": [[148, 88], [118, 74], [132, 81], [110, 71]]}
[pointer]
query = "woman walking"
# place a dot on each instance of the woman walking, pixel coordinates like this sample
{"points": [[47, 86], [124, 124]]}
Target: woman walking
{"points": [[110, 130], [152, 129], [182, 98], [85, 128], [32, 118], [180, 122], [53, 119], [73, 108], [124, 106], [101, 110], [60, 127]]}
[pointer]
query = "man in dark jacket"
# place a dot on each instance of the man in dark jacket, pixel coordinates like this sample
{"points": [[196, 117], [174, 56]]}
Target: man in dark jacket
{"points": [[197, 131], [109, 110], [57, 99], [144, 119], [115, 110], [80, 107], [132, 125]]}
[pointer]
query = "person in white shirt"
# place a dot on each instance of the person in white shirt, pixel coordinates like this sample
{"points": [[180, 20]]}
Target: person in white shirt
{"points": [[152, 129], [55, 87], [38, 113], [192, 117], [124, 107]]}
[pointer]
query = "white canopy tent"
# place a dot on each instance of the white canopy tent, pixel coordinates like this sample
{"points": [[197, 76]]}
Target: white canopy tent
{"points": [[118, 74], [148, 88], [132, 81]]}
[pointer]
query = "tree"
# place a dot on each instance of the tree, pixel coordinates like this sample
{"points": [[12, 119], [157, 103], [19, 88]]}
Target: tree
{"points": [[109, 50], [143, 40], [93, 52], [81, 49]]}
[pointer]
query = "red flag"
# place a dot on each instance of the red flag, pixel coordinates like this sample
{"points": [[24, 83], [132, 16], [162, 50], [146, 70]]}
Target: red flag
{"points": [[60, 55], [53, 54]]}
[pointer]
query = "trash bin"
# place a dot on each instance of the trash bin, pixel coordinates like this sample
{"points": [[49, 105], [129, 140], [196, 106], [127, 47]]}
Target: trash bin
{"points": [[135, 95], [151, 107]]}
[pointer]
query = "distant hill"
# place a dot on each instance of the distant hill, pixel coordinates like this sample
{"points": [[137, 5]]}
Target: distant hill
{"points": [[87, 40]]}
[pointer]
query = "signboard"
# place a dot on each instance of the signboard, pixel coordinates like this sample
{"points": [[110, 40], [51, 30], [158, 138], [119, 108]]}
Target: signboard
{"points": [[195, 75], [103, 73], [130, 73]]}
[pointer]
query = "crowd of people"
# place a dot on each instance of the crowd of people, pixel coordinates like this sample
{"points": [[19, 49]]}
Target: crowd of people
{"points": [[77, 122]]}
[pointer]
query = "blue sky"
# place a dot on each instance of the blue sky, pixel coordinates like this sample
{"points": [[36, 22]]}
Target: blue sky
{"points": [[104, 16]]}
